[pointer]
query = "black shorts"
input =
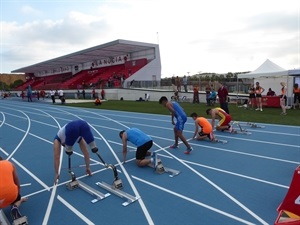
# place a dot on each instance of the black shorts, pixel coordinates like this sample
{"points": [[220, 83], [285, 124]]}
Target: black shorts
{"points": [[201, 134], [142, 150], [258, 96], [17, 199], [252, 96]]}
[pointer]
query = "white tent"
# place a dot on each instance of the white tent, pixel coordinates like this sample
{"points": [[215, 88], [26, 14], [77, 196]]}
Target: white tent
{"points": [[269, 75], [267, 69]]}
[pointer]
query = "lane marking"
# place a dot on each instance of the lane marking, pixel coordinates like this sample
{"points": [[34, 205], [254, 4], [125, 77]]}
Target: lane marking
{"points": [[75, 211], [194, 201]]}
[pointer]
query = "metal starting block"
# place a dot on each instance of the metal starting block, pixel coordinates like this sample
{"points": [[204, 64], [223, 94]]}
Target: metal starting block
{"points": [[130, 199], [160, 169], [20, 221], [72, 185], [78, 184], [241, 131], [3, 218], [220, 141], [117, 184], [254, 125]]}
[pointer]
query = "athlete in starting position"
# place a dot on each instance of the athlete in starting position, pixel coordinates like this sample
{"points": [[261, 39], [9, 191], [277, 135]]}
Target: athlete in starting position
{"points": [[10, 188], [224, 119], [206, 128], [143, 143], [75, 131]]}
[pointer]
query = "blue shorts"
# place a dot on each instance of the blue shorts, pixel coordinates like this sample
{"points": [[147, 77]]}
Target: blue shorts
{"points": [[180, 123]]}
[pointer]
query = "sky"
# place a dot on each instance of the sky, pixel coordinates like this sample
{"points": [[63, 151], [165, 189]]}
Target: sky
{"points": [[194, 36]]}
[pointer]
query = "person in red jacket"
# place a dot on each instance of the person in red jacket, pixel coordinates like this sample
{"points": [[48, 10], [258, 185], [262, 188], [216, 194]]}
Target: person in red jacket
{"points": [[223, 97]]}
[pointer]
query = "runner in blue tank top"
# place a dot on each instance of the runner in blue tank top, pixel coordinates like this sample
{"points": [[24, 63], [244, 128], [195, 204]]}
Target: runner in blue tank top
{"points": [[177, 112], [143, 143]]}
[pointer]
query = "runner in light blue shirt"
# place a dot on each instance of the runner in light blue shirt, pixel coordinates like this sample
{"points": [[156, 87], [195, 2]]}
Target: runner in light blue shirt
{"points": [[143, 143]]}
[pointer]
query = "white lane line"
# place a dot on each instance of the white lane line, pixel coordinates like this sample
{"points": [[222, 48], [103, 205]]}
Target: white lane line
{"points": [[75, 211], [194, 201], [31, 174], [25, 135], [3, 121], [237, 174], [141, 202], [217, 187], [27, 184]]}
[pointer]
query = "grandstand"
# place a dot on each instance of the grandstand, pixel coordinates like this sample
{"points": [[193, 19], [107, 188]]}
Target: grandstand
{"points": [[114, 64]]}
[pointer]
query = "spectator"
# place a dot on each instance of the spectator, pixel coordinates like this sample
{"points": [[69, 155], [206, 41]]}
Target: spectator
{"points": [[223, 98], [173, 82], [102, 94], [78, 94], [196, 95], [52, 94], [258, 95], [283, 98], [207, 91], [42, 94], [29, 93], [22, 95], [131, 83], [178, 84], [212, 97], [270, 92], [296, 92], [98, 101], [251, 98], [185, 82], [94, 93], [60, 94], [83, 93]]}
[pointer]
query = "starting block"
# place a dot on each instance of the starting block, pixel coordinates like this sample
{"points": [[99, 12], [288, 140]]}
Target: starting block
{"points": [[129, 198], [241, 131], [117, 184], [219, 141], [255, 125], [78, 184], [160, 169], [20, 221], [3, 218]]}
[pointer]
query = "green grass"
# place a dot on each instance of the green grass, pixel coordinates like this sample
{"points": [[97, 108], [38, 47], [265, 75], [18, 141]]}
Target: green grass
{"points": [[269, 115]]}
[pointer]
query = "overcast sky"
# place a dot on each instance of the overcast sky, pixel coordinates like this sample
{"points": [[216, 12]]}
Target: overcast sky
{"points": [[194, 35]]}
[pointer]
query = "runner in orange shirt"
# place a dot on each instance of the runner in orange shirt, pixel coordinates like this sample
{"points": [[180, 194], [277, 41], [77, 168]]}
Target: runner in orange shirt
{"points": [[206, 128], [10, 188]]}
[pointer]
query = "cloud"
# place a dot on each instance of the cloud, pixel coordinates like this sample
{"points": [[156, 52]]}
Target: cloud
{"points": [[28, 10]]}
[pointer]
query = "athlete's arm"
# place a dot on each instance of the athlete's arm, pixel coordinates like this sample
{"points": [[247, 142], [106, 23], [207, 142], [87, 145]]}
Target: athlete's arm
{"points": [[56, 148], [196, 129], [171, 109], [213, 117], [124, 141]]}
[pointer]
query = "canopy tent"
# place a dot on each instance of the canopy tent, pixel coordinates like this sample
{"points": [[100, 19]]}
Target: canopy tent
{"points": [[269, 75], [267, 69]]}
